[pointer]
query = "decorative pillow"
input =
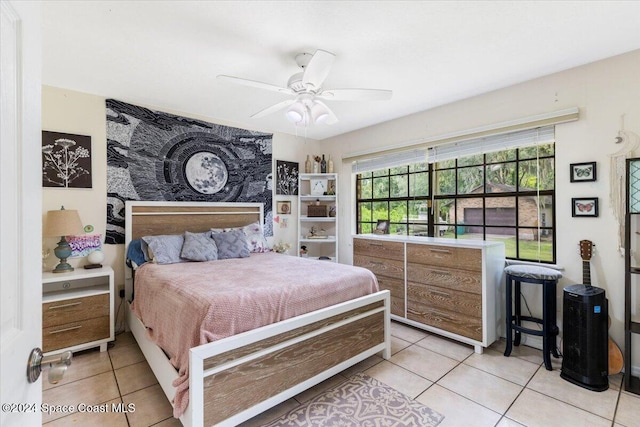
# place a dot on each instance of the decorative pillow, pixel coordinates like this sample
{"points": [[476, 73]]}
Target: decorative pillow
{"points": [[199, 247], [231, 244], [254, 235], [166, 248], [255, 238]]}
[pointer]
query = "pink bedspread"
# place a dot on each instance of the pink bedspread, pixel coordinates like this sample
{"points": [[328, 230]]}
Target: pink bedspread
{"points": [[189, 304]]}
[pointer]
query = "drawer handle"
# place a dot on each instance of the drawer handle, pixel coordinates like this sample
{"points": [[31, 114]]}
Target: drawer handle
{"points": [[376, 244], [442, 272], [376, 262], [444, 294], [441, 251], [71, 304], [65, 330]]}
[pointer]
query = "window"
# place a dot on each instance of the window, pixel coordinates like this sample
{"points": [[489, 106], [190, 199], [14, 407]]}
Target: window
{"points": [[506, 195]]}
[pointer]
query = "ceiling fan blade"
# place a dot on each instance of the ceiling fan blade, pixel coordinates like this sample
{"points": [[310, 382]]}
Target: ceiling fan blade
{"points": [[253, 83], [272, 109], [356, 94], [318, 69]]}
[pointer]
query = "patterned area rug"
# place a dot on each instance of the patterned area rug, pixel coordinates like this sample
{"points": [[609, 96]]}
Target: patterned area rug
{"points": [[361, 401]]}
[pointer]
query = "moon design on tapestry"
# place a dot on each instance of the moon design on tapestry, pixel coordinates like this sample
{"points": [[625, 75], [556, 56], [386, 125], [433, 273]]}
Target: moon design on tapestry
{"points": [[206, 173], [153, 155]]}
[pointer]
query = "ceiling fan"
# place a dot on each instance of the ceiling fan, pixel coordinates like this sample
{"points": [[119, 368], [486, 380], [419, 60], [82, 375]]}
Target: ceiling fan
{"points": [[306, 105]]}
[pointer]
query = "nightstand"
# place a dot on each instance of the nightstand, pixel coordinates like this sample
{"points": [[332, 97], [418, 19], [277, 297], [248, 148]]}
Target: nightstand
{"points": [[77, 309]]}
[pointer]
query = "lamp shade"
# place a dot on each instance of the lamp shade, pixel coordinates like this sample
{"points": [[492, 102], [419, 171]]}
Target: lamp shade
{"points": [[62, 222]]}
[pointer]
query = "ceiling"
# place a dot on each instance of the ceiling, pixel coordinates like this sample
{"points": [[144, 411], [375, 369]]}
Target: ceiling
{"points": [[167, 54]]}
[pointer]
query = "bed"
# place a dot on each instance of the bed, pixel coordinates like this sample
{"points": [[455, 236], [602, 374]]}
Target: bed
{"points": [[236, 377]]}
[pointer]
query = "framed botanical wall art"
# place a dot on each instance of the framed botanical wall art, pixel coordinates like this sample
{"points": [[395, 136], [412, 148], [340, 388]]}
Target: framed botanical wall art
{"points": [[584, 206], [287, 178], [66, 160], [583, 172]]}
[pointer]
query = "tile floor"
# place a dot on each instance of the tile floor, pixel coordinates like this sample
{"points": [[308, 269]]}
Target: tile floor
{"points": [[468, 388]]}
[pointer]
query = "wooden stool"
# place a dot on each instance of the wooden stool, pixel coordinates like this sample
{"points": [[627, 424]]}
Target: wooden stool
{"points": [[548, 278]]}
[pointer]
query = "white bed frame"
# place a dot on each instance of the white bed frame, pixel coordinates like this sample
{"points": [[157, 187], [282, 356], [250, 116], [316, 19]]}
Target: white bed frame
{"points": [[237, 378]]}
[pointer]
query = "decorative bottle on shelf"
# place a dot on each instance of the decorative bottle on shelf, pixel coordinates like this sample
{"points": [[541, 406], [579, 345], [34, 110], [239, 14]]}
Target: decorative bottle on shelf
{"points": [[330, 165], [323, 165], [307, 165]]}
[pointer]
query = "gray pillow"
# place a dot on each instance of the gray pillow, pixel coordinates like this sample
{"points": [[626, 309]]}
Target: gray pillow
{"points": [[199, 247], [165, 248], [231, 244]]}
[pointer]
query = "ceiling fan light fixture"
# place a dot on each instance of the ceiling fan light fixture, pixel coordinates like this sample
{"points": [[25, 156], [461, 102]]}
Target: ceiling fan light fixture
{"points": [[319, 113], [296, 113]]}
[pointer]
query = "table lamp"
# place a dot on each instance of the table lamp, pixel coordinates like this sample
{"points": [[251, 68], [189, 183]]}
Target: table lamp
{"points": [[62, 223]]}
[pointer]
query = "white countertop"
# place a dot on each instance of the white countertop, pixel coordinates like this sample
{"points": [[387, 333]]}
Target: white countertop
{"points": [[462, 243]]}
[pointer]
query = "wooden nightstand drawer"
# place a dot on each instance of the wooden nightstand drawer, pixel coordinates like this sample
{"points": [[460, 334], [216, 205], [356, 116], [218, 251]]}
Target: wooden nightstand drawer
{"points": [[449, 278], [74, 333], [74, 310], [465, 303], [467, 326], [380, 266], [379, 248], [445, 256]]}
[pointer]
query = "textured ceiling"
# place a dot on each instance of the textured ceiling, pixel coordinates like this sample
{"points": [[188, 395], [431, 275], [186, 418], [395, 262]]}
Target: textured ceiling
{"points": [[168, 53]]}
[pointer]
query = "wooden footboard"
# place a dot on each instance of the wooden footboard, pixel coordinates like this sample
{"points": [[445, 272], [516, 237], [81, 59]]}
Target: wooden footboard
{"points": [[236, 378]]}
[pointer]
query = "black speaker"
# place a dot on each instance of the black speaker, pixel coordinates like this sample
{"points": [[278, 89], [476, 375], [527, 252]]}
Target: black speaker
{"points": [[585, 360]]}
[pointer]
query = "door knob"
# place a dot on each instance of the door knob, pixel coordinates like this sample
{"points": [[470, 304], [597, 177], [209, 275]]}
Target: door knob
{"points": [[59, 363]]}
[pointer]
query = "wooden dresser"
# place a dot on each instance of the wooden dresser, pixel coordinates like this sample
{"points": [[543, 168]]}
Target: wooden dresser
{"points": [[450, 287]]}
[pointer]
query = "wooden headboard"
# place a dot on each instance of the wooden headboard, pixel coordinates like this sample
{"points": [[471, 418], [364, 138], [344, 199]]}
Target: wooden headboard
{"points": [[156, 218]]}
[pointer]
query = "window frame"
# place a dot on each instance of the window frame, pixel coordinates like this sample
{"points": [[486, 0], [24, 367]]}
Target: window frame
{"points": [[519, 194]]}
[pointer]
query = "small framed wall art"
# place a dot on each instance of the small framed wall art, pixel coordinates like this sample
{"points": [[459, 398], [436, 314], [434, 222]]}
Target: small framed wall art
{"points": [[318, 186], [583, 172], [584, 206], [283, 207]]}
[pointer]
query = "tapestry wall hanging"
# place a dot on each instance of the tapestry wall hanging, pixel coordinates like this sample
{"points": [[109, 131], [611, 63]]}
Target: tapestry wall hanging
{"points": [[66, 160], [158, 156]]}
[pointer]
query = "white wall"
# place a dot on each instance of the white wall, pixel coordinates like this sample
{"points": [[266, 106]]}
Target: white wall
{"points": [[74, 112], [603, 91]]}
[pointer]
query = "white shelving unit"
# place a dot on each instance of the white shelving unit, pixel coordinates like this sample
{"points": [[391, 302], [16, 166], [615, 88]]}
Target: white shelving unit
{"points": [[318, 189]]}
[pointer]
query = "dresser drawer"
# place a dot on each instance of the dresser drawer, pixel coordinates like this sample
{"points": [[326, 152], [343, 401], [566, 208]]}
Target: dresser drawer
{"points": [[445, 299], [73, 310], [381, 266], [74, 333], [379, 248], [457, 323], [461, 280], [396, 288], [446, 256]]}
